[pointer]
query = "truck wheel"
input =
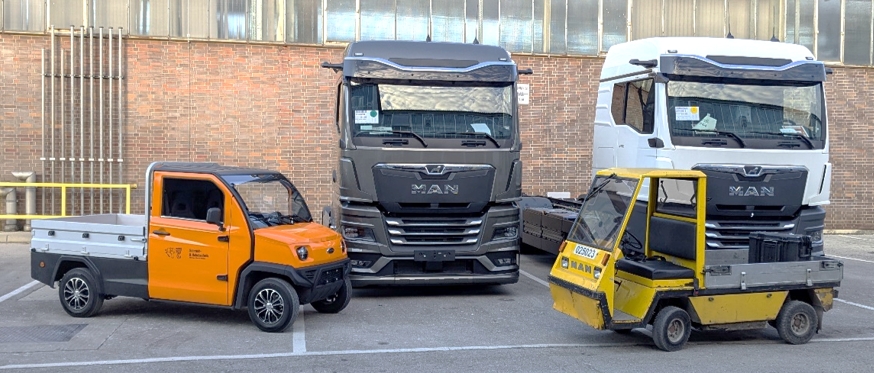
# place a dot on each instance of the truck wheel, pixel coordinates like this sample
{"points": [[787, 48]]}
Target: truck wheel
{"points": [[336, 302], [78, 293], [671, 328], [796, 322], [273, 305]]}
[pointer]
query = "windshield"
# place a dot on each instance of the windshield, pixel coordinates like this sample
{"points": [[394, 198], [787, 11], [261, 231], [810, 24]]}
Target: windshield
{"points": [[761, 116], [603, 211], [427, 115], [269, 200]]}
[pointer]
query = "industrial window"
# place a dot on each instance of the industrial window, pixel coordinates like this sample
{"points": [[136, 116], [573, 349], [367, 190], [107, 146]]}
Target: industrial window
{"points": [[633, 105], [828, 37], [447, 21], [190, 199], [857, 43], [582, 27], [23, 15], [340, 20]]}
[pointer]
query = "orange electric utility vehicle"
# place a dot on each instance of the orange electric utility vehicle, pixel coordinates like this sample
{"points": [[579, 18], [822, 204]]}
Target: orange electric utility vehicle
{"points": [[216, 235]]}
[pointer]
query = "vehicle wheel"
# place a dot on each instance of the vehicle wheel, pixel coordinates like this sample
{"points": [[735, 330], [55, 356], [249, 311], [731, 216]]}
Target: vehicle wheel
{"points": [[273, 305], [78, 293], [336, 302], [671, 328], [796, 322]]}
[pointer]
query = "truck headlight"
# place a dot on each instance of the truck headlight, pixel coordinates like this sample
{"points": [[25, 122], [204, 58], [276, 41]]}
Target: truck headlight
{"points": [[815, 236], [302, 252], [358, 233], [505, 233], [597, 273]]}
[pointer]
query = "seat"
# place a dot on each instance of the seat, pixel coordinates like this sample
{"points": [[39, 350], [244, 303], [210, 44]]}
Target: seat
{"points": [[181, 207], [654, 269]]}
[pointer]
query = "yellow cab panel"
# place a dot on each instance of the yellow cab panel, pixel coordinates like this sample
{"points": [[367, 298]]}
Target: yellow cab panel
{"points": [[581, 285]]}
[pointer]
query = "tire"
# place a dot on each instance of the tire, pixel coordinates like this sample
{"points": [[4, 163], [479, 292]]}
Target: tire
{"points": [[671, 328], [336, 302], [78, 294], [797, 322], [273, 305]]}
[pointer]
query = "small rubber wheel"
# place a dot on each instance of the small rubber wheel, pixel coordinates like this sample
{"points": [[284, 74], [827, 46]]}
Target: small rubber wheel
{"points": [[337, 302], [796, 322], [273, 305], [78, 293], [671, 328]]}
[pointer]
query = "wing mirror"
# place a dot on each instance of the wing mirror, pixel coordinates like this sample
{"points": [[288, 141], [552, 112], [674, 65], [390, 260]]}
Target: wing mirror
{"points": [[214, 216]]}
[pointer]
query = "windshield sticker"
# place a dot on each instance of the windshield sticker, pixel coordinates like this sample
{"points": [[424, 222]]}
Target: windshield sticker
{"points": [[706, 124], [794, 130], [481, 127], [367, 116], [687, 113]]}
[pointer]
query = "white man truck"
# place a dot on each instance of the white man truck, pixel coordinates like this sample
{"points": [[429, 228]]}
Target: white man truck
{"points": [[750, 114]]}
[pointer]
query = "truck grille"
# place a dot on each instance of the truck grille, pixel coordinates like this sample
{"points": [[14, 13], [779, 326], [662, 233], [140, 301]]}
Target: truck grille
{"points": [[736, 234], [431, 231]]}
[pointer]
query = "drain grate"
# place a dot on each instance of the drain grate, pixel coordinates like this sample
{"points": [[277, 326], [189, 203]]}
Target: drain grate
{"points": [[39, 333]]}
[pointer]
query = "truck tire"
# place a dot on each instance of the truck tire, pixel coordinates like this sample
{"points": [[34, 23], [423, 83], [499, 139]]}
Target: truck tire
{"points": [[78, 294], [796, 322], [273, 305], [336, 302], [671, 328]]}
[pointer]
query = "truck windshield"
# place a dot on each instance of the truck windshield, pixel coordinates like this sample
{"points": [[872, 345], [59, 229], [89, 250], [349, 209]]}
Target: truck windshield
{"points": [[428, 115], [764, 115], [603, 211], [269, 200]]}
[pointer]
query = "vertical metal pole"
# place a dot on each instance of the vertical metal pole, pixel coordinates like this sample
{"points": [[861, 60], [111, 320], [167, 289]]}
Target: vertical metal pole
{"points": [[52, 108], [100, 124], [120, 111], [82, 117], [42, 157], [72, 114], [63, 139], [91, 113], [109, 123]]}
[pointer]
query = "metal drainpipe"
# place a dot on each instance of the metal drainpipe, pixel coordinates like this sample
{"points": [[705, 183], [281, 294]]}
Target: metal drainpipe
{"points": [[11, 202], [29, 194]]}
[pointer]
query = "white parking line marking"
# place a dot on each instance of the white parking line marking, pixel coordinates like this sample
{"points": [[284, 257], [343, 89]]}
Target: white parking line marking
{"points": [[855, 304], [19, 290], [539, 281], [859, 339], [848, 258], [298, 334], [855, 238]]}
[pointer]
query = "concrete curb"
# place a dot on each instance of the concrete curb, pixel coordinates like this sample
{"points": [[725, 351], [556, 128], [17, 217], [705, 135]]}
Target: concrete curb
{"points": [[847, 231], [15, 237]]}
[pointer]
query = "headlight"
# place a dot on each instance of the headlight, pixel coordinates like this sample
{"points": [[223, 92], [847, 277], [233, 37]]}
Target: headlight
{"points": [[302, 252], [564, 262], [597, 273], [358, 233], [505, 233], [815, 236]]}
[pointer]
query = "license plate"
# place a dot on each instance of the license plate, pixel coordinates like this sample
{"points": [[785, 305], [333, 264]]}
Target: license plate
{"points": [[434, 255], [586, 252]]}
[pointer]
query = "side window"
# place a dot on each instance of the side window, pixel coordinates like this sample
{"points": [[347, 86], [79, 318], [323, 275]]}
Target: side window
{"points": [[190, 199], [640, 105], [677, 197], [617, 107]]}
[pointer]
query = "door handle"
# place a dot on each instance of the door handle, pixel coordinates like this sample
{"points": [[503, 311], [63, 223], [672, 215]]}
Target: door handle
{"points": [[161, 232], [224, 239]]}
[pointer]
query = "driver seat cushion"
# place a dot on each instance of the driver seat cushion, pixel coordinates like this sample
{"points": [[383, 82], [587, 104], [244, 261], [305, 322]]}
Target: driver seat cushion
{"points": [[654, 269]]}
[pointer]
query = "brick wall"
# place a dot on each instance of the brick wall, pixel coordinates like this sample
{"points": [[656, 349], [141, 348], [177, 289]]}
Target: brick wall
{"points": [[271, 106]]}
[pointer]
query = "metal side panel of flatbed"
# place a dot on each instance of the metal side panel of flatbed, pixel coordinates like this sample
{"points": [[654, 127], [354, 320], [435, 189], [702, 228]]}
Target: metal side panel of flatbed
{"points": [[119, 236], [821, 270]]}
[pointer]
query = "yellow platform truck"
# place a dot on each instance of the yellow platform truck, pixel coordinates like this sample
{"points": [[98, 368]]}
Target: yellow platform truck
{"points": [[638, 259]]}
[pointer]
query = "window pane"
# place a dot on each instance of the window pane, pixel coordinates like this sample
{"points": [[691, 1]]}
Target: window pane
{"points": [[646, 19], [149, 17], [677, 20], [639, 109], [471, 28], [24, 15], [615, 23], [516, 25], [539, 24], [377, 20], [189, 18], [582, 27], [491, 26], [790, 22], [413, 19], [739, 16], [304, 21], [828, 42], [557, 25], [710, 18], [341, 20], [447, 22], [805, 27], [769, 19], [857, 40], [617, 107], [228, 19], [108, 13], [66, 13], [267, 20]]}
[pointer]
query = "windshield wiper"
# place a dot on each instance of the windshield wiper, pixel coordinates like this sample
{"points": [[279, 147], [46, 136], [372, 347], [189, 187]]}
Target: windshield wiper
{"points": [[801, 137], [732, 135], [396, 132], [478, 134]]}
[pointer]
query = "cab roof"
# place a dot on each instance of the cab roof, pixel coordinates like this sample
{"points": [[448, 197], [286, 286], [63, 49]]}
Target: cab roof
{"points": [[207, 168], [637, 173], [427, 54]]}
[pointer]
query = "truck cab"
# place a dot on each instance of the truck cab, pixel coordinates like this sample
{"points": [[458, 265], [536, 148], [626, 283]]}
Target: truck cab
{"points": [[750, 114], [429, 171], [217, 235]]}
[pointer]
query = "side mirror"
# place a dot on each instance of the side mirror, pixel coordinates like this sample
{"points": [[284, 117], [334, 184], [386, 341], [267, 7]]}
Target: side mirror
{"points": [[214, 216]]}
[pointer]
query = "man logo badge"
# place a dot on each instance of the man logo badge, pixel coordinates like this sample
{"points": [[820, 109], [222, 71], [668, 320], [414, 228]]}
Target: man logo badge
{"points": [[434, 189], [435, 169]]}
